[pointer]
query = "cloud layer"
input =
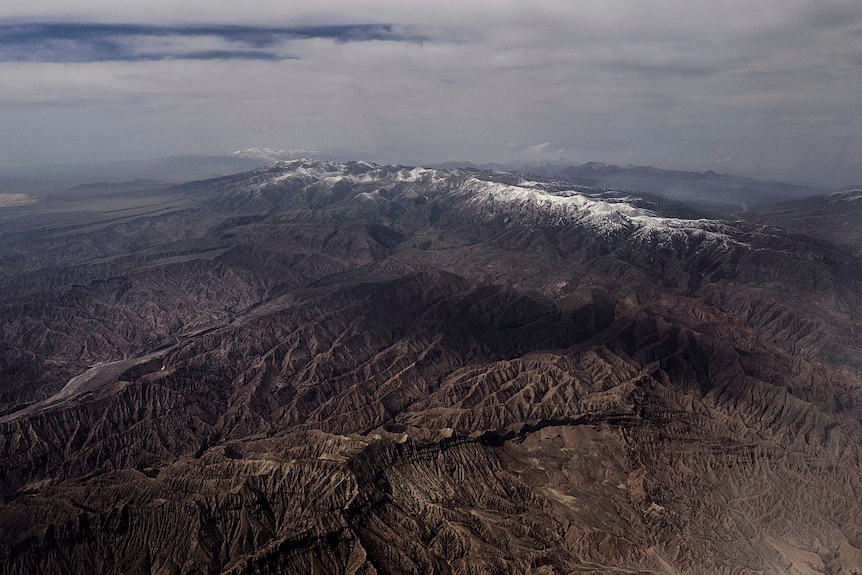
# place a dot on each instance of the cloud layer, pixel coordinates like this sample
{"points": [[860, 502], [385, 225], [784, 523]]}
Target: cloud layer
{"points": [[96, 42], [769, 89]]}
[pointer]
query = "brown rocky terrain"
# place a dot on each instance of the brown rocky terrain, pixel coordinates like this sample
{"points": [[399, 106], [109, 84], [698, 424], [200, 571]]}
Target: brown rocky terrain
{"points": [[348, 368]]}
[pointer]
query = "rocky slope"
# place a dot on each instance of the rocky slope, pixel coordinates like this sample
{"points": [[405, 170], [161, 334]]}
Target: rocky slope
{"points": [[349, 368], [833, 218]]}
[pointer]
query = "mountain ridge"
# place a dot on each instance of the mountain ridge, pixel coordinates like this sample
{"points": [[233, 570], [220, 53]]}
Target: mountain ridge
{"points": [[352, 368]]}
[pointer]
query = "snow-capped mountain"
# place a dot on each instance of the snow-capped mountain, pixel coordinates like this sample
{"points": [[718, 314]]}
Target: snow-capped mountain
{"points": [[331, 367], [487, 195]]}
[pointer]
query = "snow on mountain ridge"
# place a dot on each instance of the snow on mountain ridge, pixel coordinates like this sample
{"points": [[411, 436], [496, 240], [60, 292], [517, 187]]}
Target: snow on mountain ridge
{"points": [[331, 173], [609, 217], [528, 202]]}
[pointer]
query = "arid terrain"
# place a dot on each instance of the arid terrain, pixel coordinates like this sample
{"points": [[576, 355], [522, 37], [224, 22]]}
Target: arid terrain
{"points": [[315, 367]]}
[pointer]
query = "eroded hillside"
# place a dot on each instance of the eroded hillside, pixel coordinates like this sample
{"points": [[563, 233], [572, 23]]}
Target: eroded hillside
{"points": [[349, 368]]}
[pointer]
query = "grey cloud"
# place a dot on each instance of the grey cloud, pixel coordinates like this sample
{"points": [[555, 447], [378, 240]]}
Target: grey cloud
{"points": [[773, 85], [662, 69], [97, 42], [830, 16]]}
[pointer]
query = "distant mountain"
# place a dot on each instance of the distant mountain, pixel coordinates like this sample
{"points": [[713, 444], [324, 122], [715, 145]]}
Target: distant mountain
{"points": [[168, 170], [707, 189], [718, 193], [833, 217], [324, 367], [174, 169], [273, 155]]}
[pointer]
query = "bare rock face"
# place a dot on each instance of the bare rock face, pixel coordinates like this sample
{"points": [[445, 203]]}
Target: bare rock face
{"points": [[349, 368]]}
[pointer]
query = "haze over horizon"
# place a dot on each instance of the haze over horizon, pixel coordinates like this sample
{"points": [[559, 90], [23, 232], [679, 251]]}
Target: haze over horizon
{"points": [[767, 90]]}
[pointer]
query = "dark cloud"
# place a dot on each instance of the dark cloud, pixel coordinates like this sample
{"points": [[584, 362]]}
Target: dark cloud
{"points": [[221, 55], [96, 42], [656, 69], [834, 16]]}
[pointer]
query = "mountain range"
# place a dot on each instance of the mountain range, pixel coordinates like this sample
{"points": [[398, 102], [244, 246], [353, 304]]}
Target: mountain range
{"points": [[341, 367]]}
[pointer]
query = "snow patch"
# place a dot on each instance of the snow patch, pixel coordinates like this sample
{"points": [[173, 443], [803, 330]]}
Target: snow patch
{"points": [[608, 217]]}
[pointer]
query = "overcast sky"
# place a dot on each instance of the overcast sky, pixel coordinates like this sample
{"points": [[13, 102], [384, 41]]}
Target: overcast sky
{"points": [[771, 88]]}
